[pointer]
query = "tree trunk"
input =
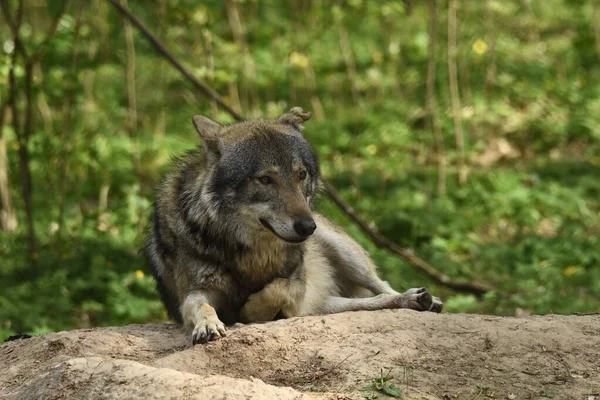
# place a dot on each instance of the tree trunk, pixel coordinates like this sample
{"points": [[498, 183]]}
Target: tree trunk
{"points": [[349, 60], [24, 160], [249, 95], [131, 96], [490, 73], [132, 120], [67, 128], [8, 218], [207, 40], [454, 95], [431, 101]]}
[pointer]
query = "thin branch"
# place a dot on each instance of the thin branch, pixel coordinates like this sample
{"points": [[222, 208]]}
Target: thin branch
{"points": [[160, 48], [376, 237], [385, 243]]}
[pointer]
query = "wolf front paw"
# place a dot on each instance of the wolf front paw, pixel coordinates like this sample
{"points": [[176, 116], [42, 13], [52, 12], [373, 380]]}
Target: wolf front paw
{"points": [[208, 330], [436, 305], [258, 309], [420, 299]]}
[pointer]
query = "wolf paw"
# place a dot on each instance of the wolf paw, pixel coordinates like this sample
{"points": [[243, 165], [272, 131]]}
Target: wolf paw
{"points": [[418, 299], [436, 305], [208, 330], [421, 300], [259, 309]]}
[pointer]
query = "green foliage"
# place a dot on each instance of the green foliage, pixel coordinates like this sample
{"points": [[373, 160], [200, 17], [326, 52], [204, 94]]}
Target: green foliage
{"points": [[527, 221], [381, 384]]}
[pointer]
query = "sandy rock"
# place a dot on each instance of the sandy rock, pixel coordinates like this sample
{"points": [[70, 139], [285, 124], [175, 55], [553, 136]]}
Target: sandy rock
{"points": [[429, 356]]}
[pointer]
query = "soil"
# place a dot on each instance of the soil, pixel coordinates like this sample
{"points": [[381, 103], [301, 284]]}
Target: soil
{"points": [[427, 356]]}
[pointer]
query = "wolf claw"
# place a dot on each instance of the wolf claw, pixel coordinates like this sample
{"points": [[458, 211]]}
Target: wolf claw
{"points": [[207, 331]]}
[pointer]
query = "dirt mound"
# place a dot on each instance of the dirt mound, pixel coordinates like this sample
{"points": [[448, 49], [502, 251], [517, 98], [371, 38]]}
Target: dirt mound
{"points": [[428, 356]]}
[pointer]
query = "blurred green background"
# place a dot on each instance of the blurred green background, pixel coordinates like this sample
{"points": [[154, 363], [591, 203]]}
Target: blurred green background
{"points": [[95, 118]]}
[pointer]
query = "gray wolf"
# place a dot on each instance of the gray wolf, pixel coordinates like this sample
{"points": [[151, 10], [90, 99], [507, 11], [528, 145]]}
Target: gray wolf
{"points": [[234, 235]]}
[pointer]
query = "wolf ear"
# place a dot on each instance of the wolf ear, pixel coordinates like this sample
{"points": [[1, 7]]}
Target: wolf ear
{"points": [[295, 117], [209, 132]]}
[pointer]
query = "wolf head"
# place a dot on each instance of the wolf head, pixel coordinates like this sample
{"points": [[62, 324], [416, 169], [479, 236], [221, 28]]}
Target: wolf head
{"points": [[262, 176]]}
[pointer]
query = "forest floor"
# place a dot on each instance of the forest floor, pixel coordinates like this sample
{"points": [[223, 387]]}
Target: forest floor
{"points": [[424, 355]]}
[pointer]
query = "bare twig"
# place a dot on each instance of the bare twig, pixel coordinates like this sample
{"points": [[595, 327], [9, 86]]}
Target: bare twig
{"points": [[376, 237], [330, 370]]}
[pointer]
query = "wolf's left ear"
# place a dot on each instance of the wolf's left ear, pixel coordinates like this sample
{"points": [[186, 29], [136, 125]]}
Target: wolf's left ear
{"points": [[209, 132], [295, 117]]}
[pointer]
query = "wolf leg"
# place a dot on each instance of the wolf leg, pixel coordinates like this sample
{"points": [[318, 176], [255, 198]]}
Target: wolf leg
{"points": [[280, 295], [416, 299], [199, 314], [353, 264]]}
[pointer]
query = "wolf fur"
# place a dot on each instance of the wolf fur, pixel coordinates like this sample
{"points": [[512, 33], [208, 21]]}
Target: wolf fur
{"points": [[234, 236]]}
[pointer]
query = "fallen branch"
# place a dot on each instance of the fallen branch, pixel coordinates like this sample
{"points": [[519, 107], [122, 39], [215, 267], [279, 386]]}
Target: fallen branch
{"points": [[379, 239]]}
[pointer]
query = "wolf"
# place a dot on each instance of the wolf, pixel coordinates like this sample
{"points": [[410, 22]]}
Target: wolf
{"points": [[234, 235]]}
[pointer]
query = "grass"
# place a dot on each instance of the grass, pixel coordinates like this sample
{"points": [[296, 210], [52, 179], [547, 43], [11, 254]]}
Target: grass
{"points": [[381, 385]]}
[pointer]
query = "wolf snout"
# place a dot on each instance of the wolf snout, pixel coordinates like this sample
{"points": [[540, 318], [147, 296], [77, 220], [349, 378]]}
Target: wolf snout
{"points": [[305, 227]]}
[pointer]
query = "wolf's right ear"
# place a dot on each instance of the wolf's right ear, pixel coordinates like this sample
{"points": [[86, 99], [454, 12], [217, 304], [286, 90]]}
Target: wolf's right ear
{"points": [[209, 132], [295, 117]]}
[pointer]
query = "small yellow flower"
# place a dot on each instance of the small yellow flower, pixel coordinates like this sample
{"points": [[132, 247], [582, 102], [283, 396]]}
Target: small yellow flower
{"points": [[200, 16], [139, 274], [570, 270], [480, 46], [298, 60], [371, 149]]}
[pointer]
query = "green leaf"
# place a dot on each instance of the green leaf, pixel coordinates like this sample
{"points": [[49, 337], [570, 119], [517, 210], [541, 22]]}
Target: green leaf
{"points": [[393, 391]]}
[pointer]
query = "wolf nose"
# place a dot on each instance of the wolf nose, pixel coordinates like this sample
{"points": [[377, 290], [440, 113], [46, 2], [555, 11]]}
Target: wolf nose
{"points": [[305, 227]]}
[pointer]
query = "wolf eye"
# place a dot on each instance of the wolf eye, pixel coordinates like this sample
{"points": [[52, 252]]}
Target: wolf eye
{"points": [[265, 180], [302, 175]]}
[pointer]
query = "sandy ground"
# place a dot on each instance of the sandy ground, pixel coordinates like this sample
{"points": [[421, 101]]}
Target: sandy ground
{"points": [[428, 356]]}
